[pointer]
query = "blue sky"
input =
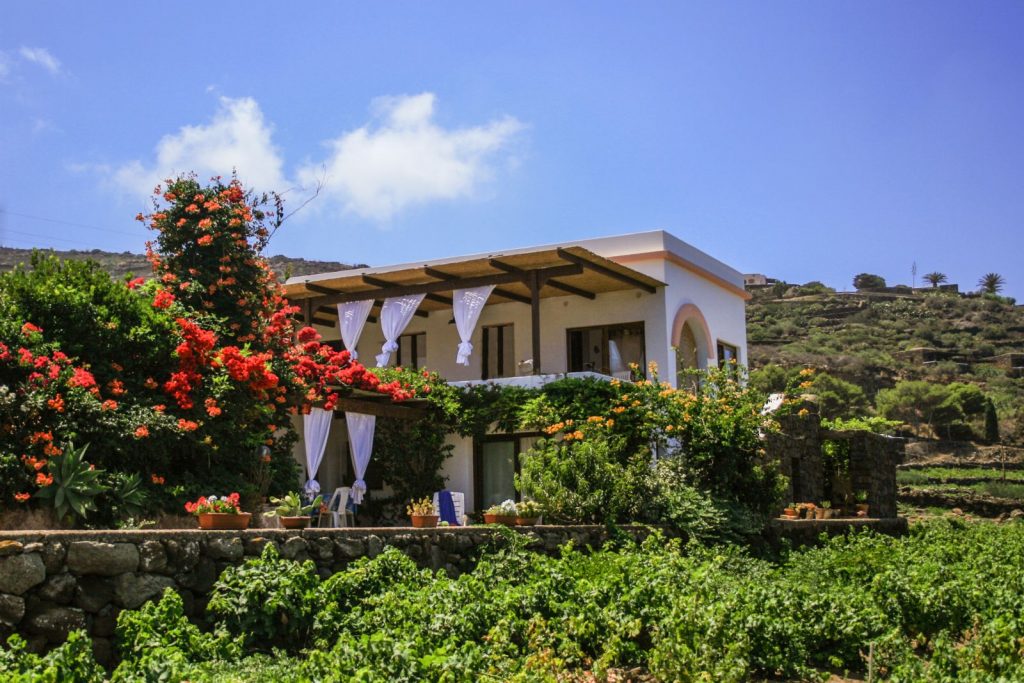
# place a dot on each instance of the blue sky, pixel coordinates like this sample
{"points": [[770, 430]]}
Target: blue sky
{"points": [[802, 140]]}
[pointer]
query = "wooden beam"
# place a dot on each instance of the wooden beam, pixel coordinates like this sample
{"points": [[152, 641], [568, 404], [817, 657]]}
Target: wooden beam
{"points": [[323, 321], [384, 283], [534, 282], [445, 286], [396, 410], [436, 298], [504, 293], [320, 289], [606, 271], [561, 286]]}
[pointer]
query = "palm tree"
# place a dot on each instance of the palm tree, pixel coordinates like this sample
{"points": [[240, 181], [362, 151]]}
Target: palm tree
{"points": [[935, 278], [991, 283]]}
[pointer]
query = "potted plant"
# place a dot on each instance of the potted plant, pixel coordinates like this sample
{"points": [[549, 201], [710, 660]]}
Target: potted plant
{"points": [[826, 510], [862, 503], [528, 513], [422, 513], [502, 513], [791, 511], [291, 511], [219, 512], [806, 510]]}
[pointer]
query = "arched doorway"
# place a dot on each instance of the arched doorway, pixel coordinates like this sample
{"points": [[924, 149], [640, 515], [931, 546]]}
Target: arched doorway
{"points": [[692, 341]]}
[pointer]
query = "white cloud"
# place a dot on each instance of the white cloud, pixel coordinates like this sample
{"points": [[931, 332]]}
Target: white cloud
{"points": [[237, 137], [42, 57], [403, 158]]}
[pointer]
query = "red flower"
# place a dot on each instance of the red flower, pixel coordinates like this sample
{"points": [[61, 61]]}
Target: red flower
{"points": [[82, 378], [205, 240], [44, 479], [187, 425], [132, 284], [163, 299], [56, 403], [156, 479], [109, 404], [22, 497], [141, 432], [29, 328]]}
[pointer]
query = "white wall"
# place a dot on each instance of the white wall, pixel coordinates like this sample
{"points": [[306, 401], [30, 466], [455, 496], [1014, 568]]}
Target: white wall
{"points": [[723, 309]]}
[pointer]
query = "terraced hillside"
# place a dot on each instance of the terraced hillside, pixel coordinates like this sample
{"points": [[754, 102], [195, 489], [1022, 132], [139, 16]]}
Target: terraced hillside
{"points": [[122, 264], [876, 340]]}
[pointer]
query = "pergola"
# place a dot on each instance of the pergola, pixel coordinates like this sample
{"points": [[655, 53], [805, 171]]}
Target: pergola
{"points": [[524, 276]]}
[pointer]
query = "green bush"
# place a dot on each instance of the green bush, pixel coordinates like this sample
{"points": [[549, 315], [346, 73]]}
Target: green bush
{"points": [[268, 601], [72, 661]]}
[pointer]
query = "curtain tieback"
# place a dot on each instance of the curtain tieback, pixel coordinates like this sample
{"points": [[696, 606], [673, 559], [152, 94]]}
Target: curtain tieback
{"points": [[465, 350]]}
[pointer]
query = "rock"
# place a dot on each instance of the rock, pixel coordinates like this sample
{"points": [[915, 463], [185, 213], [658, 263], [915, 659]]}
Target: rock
{"points": [[54, 623], [225, 548], [152, 557], [321, 549], [200, 579], [374, 546], [10, 548], [350, 548], [105, 621], [131, 590], [94, 593], [53, 557], [254, 546], [59, 588], [293, 548], [182, 555], [1016, 513], [102, 559], [18, 573], [103, 651], [12, 609], [33, 548]]}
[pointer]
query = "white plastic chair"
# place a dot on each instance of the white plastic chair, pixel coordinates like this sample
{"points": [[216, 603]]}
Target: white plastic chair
{"points": [[337, 509], [459, 499]]}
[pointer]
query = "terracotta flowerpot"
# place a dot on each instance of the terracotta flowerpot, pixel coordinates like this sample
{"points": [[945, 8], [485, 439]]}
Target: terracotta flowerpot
{"points": [[527, 521], [424, 521], [819, 513], [507, 520], [294, 522], [224, 521], [862, 507], [790, 513]]}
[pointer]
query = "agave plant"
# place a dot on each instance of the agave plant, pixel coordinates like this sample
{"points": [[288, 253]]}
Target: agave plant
{"points": [[75, 483], [290, 505]]}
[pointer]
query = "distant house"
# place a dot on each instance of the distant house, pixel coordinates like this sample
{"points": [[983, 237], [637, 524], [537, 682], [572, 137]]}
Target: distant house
{"points": [[758, 280], [591, 307]]}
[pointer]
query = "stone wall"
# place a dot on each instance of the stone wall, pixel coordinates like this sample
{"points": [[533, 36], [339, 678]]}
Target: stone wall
{"points": [[52, 582]]}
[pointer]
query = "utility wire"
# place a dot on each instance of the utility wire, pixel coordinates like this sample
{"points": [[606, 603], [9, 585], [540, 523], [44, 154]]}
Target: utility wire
{"points": [[63, 222]]}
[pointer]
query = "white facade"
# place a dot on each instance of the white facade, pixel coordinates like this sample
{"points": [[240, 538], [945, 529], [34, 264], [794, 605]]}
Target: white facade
{"points": [[701, 307]]}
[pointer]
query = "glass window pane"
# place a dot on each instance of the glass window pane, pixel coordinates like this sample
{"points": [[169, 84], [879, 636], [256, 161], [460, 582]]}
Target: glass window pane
{"points": [[497, 463], [626, 347]]}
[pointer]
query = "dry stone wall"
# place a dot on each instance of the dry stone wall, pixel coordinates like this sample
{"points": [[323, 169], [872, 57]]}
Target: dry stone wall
{"points": [[53, 582]]}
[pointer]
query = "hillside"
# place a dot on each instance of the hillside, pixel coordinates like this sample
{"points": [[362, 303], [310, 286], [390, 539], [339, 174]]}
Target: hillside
{"points": [[876, 340], [125, 263]]}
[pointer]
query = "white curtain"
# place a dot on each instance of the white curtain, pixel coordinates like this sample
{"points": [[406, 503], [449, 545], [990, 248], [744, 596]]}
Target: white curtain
{"points": [[468, 304], [360, 444], [394, 317], [315, 428], [351, 318]]}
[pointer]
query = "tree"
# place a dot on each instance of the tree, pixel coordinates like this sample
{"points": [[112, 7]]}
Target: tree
{"points": [[935, 278], [991, 283], [991, 422], [868, 281]]}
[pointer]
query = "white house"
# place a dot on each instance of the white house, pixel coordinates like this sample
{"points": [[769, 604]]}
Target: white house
{"points": [[594, 306]]}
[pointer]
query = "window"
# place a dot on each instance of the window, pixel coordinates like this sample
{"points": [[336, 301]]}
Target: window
{"points": [[495, 464], [728, 355], [412, 351], [609, 349], [499, 356]]}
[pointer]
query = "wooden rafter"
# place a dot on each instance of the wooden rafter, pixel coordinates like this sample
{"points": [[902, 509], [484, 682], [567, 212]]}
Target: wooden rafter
{"points": [[605, 271], [377, 282], [550, 282], [498, 291]]}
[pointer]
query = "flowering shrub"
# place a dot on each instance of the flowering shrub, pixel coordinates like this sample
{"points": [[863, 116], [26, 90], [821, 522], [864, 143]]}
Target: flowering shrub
{"points": [[205, 505], [183, 379]]}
